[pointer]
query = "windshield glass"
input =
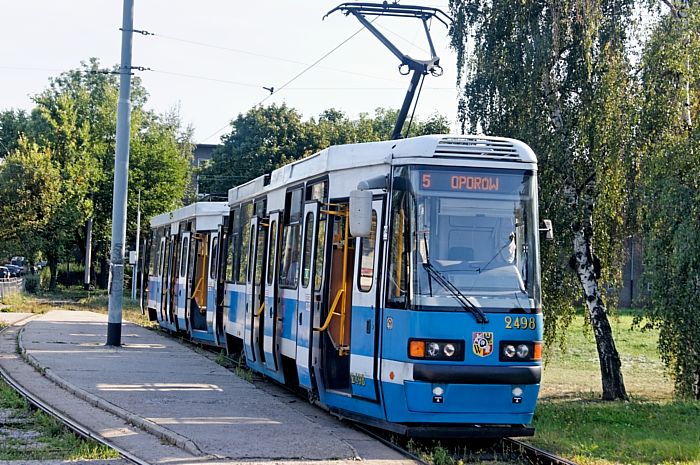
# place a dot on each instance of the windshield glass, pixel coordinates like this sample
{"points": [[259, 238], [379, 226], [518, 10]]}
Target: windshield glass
{"points": [[475, 226]]}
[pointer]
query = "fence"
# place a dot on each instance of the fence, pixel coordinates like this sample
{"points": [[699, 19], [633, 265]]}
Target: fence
{"points": [[10, 286]]}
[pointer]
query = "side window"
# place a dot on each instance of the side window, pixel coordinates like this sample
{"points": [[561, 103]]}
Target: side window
{"points": [[161, 257], [214, 257], [244, 243], [291, 240], [399, 246], [308, 239], [320, 243], [183, 255], [152, 263], [366, 268], [273, 253], [231, 244]]}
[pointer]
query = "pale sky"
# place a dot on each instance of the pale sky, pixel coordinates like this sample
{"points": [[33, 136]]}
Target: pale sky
{"points": [[248, 45]]}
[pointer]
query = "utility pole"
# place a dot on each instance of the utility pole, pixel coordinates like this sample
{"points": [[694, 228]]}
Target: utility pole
{"points": [[121, 181], [88, 254], [136, 268]]}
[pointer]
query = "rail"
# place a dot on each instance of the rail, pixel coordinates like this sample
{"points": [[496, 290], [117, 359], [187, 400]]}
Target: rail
{"points": [[74, 426]]}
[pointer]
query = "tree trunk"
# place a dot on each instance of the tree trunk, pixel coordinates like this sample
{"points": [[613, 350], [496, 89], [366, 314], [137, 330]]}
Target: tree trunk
{"points": [[53, 268], [587, 269]]}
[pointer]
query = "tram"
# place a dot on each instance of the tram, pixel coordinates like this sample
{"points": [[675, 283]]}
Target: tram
{"points": [[396, 283]]}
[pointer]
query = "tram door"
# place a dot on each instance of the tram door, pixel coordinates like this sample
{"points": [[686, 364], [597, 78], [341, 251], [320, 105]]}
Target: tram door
{"points": [[270, 329], [221, 270], [365, 301], [255, 305], [212, 283], [168, 277], [307, 296], [162, 258], [182, 287]]}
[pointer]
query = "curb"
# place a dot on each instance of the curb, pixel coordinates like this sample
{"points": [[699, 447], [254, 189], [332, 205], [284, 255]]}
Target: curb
{"points": [[146, 425]]}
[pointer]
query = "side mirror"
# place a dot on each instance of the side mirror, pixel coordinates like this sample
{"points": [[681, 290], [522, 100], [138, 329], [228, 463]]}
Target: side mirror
{"points": [[360, 213], [548, 230]]}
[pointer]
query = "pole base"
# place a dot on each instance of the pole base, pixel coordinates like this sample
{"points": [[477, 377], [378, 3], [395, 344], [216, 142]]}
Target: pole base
{"points": [[114, 334]]}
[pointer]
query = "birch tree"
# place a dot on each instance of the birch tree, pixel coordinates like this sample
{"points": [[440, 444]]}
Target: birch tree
{"points": [[555, 74]]}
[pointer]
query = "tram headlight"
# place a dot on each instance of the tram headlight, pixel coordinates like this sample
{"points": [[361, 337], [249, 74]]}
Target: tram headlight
{"points": [[522, 351], [433, 349], [436, 349], [509, 351]]}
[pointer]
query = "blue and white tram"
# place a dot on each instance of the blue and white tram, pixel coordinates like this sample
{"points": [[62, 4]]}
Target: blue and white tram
{"points": [[397, 283], [182, 280]]}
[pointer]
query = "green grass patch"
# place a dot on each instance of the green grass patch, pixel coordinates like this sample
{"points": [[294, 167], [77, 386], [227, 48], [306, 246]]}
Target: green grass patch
{"points": [[652, 428], [594, 432], [33, 435]]}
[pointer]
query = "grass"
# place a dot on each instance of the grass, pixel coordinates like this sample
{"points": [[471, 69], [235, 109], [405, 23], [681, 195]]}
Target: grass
{"points": [[33, 435], [73, 298], [651, 428]]}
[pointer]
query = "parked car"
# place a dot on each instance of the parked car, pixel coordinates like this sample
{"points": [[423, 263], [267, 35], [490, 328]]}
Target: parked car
{"points": [[15, 270], [4, 272]]}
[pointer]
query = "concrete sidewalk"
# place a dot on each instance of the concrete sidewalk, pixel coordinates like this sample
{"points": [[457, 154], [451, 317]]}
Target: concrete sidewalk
{"points": [[185, 398]]}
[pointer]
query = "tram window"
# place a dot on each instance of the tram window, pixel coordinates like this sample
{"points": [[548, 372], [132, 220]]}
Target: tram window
{"points": [[234, 235], [244, 243], [155, 243], [259, 256], [316, 191], [308, 240], [399, 251], [320, 243], [289, 258], [272, 255], [214, 257], [161, 259], [367, 246], [183, 255], [291, 240]]}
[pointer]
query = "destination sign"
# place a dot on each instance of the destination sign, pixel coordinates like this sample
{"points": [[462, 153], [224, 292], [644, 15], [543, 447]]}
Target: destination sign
{"points": [[471, 181]]}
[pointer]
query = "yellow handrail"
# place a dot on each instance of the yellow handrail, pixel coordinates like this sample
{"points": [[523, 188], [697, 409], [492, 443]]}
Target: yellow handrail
{"points": [[260, 310], [331, 312]]}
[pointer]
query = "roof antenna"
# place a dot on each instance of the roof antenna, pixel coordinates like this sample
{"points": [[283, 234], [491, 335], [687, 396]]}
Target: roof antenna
{"points": [[420, 68]]}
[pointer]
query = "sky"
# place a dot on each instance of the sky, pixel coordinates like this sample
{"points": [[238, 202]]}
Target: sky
{"points": [[210, 59]]}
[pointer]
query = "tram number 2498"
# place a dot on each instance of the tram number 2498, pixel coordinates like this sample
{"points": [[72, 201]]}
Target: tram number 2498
{"points": [[521, 322]]}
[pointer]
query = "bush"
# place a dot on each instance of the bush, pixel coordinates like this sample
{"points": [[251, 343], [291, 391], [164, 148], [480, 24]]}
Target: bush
{"points": [[32, 283]]}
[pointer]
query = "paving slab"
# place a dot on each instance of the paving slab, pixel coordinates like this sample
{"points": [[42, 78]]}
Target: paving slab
{"points": [[172, 390], [117, 430]]}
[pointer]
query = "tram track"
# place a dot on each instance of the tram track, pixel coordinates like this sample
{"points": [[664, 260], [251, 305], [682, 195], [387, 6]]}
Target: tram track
{"points": [[514, 451], [72, 425], [521, 453]]}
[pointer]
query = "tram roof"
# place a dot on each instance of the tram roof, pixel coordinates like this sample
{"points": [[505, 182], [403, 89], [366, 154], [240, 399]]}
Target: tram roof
{"points": [[340, 157], [195, 210]]}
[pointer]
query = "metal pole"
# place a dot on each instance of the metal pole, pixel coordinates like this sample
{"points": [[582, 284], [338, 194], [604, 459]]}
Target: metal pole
{"points": [[88, 254], [121, 179], [135, 270]]}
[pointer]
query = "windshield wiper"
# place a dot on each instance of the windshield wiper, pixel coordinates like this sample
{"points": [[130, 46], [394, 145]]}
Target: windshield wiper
{"points": [[456, 293]]}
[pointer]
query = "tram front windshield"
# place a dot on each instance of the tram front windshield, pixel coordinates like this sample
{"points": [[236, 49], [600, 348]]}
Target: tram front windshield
{"points": [[469, 231]]}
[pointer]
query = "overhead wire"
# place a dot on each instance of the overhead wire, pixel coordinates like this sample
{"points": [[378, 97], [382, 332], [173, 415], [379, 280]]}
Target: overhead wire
{"points": [[297, 76]]}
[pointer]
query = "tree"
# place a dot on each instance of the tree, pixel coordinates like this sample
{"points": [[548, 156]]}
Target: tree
{"points": [[30, 193], [670, 195], [13, 124], [266, 138], [260, 141], [75, 120], [555, 74]]}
